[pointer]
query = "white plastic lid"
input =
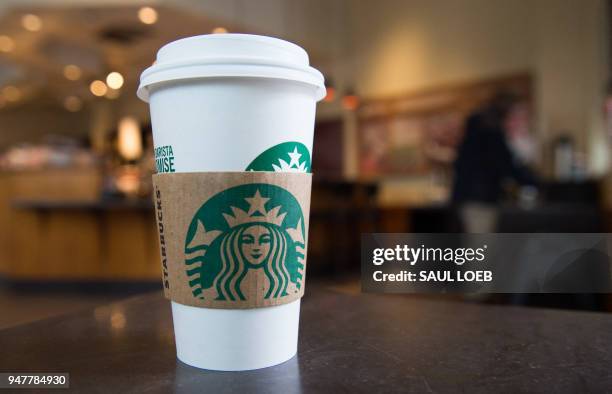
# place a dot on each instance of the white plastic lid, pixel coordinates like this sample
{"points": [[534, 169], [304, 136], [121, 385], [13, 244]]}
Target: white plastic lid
{"points": [[230, 55]]}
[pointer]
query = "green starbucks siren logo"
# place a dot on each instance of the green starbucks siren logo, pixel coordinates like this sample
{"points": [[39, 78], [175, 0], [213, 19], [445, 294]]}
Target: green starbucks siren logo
{"points": [[240, 231], [285, 157]]}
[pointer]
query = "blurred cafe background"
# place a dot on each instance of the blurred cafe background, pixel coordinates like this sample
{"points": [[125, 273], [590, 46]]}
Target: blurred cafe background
{"points": [[440, 116]]}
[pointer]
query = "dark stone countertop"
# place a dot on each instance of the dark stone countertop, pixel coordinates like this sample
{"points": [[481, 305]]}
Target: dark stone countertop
{"points": [[349, 343]]}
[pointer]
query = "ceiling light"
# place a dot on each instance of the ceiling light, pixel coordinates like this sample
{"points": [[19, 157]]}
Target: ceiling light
{"points": [[31, 22], [219, 30], [118, 320], [114, 80], [350, 101], [11, 93], [330, 94], [6, 44], [129, 138], [98, 88], [147, 15], [73, 103], [72, 72]]}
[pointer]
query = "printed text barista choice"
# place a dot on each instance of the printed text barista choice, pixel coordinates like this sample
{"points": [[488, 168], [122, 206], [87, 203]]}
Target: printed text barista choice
{"points": [[164, 159]]}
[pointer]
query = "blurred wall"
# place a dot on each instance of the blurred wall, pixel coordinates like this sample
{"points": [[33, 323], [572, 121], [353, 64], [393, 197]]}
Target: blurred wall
{"points": [[572, 67], [320, 26], [407, 45], [33, 123]]}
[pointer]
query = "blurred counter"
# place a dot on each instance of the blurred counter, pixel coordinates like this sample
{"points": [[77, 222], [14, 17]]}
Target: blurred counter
{"points": [[70, 234], [53, 226], [510, 218]]}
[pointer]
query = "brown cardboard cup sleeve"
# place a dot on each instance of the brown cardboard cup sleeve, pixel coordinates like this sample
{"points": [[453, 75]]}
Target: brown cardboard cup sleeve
{"points": [[233, 240]]}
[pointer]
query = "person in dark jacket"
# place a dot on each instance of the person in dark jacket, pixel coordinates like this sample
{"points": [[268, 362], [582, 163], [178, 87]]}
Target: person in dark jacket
{"points": [[484, 162]]}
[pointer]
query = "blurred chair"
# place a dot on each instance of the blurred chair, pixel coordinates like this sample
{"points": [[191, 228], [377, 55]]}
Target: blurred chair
{"points": [[567, 207], [556, 218], [340, 212]]}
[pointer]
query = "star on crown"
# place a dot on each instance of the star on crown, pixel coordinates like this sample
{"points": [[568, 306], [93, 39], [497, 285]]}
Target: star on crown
{"points": [[257, 212], [294, 164]]}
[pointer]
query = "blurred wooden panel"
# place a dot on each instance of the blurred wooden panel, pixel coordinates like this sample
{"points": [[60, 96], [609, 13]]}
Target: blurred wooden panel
{"points": [[82, 184], [69, 245], [4, 219], [128, 245], [81, 240], [327, 151], [24, 240], [48, 244], [83, 244], [394, 220]]}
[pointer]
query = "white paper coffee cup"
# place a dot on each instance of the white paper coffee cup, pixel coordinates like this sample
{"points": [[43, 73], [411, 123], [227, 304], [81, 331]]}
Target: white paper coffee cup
{"points": [[229, 102]]}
